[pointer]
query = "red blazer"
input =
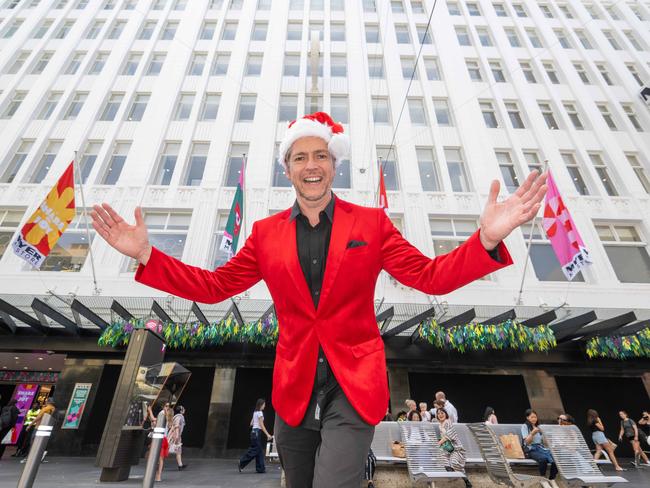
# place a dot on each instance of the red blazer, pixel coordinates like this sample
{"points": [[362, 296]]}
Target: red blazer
{"points": [[344, 323]]}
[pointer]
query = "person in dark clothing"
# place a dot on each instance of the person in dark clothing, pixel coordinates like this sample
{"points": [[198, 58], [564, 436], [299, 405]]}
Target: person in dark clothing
{"points": [[632, 433], [8, 419], [371, 465], [256, 449]]}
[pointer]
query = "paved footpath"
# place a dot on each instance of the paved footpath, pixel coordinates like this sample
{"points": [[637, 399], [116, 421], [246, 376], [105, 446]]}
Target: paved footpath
{"points": [[62, 472]]}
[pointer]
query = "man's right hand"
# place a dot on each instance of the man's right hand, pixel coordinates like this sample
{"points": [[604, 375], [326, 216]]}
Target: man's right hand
{"points": [[130, 240]]}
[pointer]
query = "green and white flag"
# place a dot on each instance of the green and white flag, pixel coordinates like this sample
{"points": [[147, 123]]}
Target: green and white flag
{"points": [[236, 217]]}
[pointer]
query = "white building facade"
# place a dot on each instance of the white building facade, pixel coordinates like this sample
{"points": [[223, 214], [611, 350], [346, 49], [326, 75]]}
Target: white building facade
{"points": [[163, 98]]}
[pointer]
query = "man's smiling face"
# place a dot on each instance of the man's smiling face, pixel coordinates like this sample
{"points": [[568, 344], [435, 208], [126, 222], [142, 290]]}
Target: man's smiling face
{"points": [[310, 168]]}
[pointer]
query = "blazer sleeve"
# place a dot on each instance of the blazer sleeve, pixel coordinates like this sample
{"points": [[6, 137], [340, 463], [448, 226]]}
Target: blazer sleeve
{"points": [[170, 275], [440, 275]]}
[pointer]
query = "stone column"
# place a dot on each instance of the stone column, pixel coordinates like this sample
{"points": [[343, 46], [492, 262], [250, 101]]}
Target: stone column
{"points": [[543, 394], [398, 386], [645, 377], [216, 432]]}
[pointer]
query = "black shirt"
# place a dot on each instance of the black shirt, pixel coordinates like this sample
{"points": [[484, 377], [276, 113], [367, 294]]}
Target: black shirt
{"points": [[313, 244]]}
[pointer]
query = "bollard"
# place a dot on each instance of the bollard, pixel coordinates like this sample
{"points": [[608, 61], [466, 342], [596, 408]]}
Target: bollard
{"points": [[41, 436], [154, 450]]}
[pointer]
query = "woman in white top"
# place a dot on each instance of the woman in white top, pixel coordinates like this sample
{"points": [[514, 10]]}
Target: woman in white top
{"points": [[176, 436], [256, 449], [489, 417]]}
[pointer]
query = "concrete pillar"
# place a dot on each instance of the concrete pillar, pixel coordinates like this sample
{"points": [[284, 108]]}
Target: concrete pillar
{"points": [[645, 377], [398, 386], [543, 394], [216, 432]]}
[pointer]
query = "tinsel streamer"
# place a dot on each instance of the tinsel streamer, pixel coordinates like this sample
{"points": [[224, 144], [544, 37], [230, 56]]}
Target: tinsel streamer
{"points": [[620, 347]]}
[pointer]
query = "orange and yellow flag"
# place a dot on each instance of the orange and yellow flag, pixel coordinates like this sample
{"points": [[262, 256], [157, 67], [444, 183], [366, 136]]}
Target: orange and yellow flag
{"points": [[40, 233]]}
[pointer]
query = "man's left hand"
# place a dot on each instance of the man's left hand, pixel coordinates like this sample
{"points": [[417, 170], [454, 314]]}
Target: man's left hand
{"points": [[499, 219]]}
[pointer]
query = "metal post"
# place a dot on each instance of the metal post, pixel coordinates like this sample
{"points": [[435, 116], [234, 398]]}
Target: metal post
{"points": [[41, 436], [154, 450]]}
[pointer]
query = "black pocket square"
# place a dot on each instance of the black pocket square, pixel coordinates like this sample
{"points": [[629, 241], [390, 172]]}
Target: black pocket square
{"points": [[352, 244]]}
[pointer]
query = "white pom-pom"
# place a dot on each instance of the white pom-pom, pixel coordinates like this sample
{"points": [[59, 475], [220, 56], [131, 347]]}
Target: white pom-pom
{"points": [[339, 146]]}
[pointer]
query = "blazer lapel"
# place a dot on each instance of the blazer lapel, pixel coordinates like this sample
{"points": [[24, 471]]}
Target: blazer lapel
{"points": [[292, 261], [342, 226]]}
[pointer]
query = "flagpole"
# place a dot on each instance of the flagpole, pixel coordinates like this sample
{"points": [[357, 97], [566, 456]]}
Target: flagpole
{"points": [[530, 242], [378, 194], [243, 196], [90, 242]]}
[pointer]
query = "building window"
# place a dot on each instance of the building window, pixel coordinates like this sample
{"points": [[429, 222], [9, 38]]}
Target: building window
{"points": [[607, 116], [452, 8], [196, 164], [635, 74], [457, 172], [473, 9], [443, 115], [546, 10], [116, 163], [389, 167], [210, 106], [474, 70], [292, 65], [88, 159], [132, 63], [533, 38], [320, 66], [184, 106], [236, 4], [229, 30], [582, 73], [313, 103], [46, 161], [605, 74], [98, 64], [40, 66], [280, 179], [259, 31], [542, 256], [112, 106], [408, 68], [428, 169], [166, 164], [235, 161], [562, 38], [13, 27], [16, 162], [513, 38], [489, 114], [208, 30], [375, 67], [508, 171], [49, 105], [220, 65], [254, 64], [169, 31], [448, 234], [639, 171], [592, 12], [547, 113], [339, 109], [117, 29], [519, 10], [180, 4], [566, 11], [337, 32], [317, 5], [380, 110], [572, 112], [551, 73], [147, 30], [484, 36], [463, 36], [213, 5], [338, 65], [497, 71], [18, 62], [372, 33], [64, 29], [138, 107], [288, 109], [528, 72], [397, 6], [584, 40], [532, 161], [603, 173], [197, 64], [629, 111], [294, 31], [417, 111], [246, 108], [167, 232], [217, 256], [342, 175], [156, 63], [609, 35], [433, 70], [500, 10], [9, 222], [402, 34], [14, 104], [626, 250], [417, 7], [42, 29], [575, 172]]}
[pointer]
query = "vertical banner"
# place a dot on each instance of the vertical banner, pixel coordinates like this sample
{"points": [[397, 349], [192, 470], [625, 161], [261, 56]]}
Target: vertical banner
{"points": [[76, 406], [563, 234], [24, 395]]}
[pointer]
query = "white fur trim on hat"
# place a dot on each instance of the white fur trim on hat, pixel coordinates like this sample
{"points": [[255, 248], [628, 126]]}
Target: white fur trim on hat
{"points": [[338, 144]]}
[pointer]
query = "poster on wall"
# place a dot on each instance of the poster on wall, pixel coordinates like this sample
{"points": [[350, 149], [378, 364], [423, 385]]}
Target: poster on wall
{"points": [[24, 395], [76, 406]]}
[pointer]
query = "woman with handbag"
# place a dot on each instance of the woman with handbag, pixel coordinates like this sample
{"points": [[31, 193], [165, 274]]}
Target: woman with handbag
{"points": [[534, 447], [176, 436], [452, 450], [600, 439]]}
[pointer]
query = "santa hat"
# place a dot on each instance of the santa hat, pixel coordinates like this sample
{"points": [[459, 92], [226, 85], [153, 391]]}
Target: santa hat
{"points": [[318, 124]]}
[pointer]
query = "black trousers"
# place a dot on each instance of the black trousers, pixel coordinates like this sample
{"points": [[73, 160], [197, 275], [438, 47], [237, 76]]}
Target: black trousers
{"points": [[255, 451], [332, 457]]}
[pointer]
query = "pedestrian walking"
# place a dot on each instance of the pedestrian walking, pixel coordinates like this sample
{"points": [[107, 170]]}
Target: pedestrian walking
{"points": [[176, 436], [600, 439], [257, 447], [631, 432], [8, 418]]}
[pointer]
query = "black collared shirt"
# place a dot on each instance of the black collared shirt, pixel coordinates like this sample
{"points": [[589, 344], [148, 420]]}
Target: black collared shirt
{"points": [[313, 244]]}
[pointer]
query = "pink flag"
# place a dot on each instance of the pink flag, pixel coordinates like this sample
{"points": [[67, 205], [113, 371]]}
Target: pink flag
{"points": [[563, 234]]}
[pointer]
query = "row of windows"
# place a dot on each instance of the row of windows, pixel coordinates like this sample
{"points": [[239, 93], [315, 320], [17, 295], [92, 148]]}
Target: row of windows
{"points": [[623, 243], [185, 165]]}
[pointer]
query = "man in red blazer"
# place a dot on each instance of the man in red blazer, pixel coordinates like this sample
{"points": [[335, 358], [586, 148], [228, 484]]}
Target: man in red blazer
{"points": [[320, 261]]}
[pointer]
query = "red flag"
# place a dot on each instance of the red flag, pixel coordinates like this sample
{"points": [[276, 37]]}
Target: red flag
{"points": [[383, 199], [40, 233]]}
